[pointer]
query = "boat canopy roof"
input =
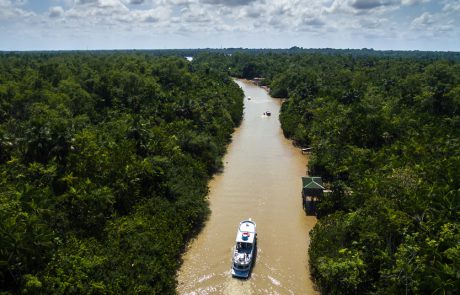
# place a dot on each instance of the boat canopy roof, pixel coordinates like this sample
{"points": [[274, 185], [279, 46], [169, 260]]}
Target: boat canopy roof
{"points": [[246, 232]]}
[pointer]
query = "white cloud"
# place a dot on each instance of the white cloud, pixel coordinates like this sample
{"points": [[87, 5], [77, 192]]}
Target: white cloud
{"points": [[228, 2], [373, 23], [18, 2], [180, 2], [434, 26], [361, 7], [86, 2], [332, 21], [252, 13], [56, 11], [11, 10], [414, 2], [425, 19], [371, 4], [451, 6], [100, 3]]}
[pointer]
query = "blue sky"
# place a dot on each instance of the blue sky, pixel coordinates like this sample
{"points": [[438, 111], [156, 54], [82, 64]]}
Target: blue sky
{"points": [[146, 24]]}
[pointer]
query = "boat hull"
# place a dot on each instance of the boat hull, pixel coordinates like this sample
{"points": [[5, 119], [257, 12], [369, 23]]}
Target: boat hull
{"points": [[240, 273]]}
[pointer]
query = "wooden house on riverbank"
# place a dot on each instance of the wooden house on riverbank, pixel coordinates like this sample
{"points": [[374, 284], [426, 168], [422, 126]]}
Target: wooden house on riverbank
{"points": [[312, 191], [257, 81]]}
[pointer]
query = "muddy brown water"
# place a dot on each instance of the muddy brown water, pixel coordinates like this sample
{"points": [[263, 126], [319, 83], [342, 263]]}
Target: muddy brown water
{"points": [[262, 180]]}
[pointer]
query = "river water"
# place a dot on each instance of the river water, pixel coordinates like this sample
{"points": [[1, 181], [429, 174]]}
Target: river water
{"points": [[261, 180]]}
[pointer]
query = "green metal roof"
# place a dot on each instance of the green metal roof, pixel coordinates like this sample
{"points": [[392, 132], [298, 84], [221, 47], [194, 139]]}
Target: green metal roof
{"points": [[312, 183]]}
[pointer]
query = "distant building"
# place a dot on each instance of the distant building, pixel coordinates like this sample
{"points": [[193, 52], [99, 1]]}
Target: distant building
{"points": [[312, 191], [258, 80]]}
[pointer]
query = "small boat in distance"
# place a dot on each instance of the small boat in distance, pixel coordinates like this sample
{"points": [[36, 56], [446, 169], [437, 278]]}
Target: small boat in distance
{"points": [[249, 98], [245, 249], [268, 113]]}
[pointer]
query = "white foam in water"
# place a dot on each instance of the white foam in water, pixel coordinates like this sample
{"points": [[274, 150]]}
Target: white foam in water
{"points": [[237, 287], [203, 291], [274, 281], [205, 277]]}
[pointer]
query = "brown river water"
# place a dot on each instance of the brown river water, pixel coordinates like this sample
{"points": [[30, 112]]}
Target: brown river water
{"points": [[261, 180]]}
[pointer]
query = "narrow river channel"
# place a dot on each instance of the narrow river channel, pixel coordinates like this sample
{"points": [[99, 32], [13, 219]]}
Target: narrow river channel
{"points": [[261, 180]]}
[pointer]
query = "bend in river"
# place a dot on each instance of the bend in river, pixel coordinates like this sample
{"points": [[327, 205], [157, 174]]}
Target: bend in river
{"points": [[261, 180]]}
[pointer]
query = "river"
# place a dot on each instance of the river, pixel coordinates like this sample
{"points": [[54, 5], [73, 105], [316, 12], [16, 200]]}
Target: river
{"points": [[262, 180]]}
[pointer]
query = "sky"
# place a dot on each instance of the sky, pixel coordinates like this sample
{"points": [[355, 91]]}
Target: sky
{"points": [[163, 24]]}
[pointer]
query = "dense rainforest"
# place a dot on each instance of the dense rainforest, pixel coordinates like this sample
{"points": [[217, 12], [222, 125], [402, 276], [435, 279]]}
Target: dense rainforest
{"points": [[105, 158], [385, 134], [104, 164]]}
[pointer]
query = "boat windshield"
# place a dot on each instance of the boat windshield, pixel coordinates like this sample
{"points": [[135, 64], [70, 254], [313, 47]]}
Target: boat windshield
{"points": [[243, 246]]}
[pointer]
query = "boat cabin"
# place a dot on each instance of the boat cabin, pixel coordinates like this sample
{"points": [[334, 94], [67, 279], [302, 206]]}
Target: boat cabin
{"points": [[246, 233]]}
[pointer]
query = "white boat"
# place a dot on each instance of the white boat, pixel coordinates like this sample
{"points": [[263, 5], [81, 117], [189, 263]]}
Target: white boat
{"points": [[245, 249]]}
